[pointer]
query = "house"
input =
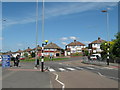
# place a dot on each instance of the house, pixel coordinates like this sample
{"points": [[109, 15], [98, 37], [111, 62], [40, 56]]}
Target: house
{"points": [[28, 51], [19, 52], [39, 50], [74, 47], [53, 49], [94, 47]]}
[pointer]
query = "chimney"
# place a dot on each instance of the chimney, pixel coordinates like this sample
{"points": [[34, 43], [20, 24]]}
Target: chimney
{"points": [[38, 45], [74, 40], [99, 38]]}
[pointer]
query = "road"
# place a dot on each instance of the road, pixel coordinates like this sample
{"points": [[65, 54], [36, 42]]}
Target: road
{"points": [[61, 74], [70, 65]]}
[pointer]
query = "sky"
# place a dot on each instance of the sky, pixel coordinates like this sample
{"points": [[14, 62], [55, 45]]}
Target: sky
{"points": [[64, 22]]}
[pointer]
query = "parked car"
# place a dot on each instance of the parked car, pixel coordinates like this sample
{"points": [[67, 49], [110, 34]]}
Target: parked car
{"points": [[22, 58], [95, 56]]}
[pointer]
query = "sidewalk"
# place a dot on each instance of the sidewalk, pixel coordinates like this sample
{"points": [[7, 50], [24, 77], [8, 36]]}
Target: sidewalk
{"points": [[25, 77], [101, 63]]}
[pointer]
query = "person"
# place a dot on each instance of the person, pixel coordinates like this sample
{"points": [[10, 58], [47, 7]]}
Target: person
{"points": [[97, 57], [17, 60], [13, 59], [51, 56]]}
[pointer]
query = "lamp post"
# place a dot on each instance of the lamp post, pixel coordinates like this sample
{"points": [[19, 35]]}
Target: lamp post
{"points": [[42, 54], [36, 33], [107, 44]]}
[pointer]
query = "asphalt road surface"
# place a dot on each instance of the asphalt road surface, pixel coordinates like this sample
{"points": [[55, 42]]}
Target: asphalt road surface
{"points": [[60, 74]]}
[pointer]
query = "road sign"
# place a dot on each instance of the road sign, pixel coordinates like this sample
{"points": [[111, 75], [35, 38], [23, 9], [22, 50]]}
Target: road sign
{"points": [[5, 61]]}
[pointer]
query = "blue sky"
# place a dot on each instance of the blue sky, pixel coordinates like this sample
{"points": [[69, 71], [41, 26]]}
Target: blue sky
{"points": [[64, 22]]}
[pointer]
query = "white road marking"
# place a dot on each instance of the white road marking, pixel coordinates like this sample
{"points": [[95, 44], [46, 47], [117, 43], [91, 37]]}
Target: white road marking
{"points": [[71, 69], [100, 74], [51, 70], [90, 68], [63, 85], [107, 68], [61, 69], [79, 68]]}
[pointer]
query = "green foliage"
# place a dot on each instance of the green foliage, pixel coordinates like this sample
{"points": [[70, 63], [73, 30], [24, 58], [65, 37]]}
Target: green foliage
{"points": [[26, 54], [116, 46], [33, 54], [86, 53], [114, 49]]}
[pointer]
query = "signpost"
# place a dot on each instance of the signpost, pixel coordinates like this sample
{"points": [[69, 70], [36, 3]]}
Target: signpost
{"points": [[5, 61]]}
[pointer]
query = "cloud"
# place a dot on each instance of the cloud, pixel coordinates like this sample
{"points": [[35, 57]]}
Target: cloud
{"points": [[72, 8], [64, 38], [14, 21], [64, 43], [19, 44], [86, 42], [59, 10], [73, 38]]}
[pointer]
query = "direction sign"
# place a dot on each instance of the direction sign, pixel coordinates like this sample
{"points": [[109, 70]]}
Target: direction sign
{"points": [[5, 61]]}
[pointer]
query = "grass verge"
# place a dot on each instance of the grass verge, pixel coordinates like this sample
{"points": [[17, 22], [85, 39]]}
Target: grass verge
{"points": [[45, 59]]}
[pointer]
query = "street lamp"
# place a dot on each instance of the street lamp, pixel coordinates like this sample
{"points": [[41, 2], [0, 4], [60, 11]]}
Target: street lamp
{"points": [[108, 44], [42, 60], [36, 34]]}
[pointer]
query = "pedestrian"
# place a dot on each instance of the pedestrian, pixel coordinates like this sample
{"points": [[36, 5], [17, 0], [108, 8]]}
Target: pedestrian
{"points": [[13, 59], [17, 60], [51, 56], [97, 57]]}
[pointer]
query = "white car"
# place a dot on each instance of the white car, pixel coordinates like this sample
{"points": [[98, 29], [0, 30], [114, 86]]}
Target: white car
{"points": [[95, 56]]}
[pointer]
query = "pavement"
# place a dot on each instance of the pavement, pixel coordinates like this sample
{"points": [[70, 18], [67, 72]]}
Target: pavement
{"points": [[25, 77], [100, 63]]}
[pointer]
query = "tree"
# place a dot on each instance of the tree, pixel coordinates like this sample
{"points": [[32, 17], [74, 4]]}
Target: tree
{"points": [[33, 54], [104, 46], [116, 46], [26, 55]]}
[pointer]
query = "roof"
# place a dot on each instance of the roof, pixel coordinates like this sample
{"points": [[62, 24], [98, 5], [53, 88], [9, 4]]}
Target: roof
{"points": [[38, 48], [27, 50], [19, 51], [99, 41], [52, 46], [76, 43]]}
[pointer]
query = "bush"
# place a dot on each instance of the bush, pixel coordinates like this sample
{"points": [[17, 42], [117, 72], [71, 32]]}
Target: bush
{"points": [[86, 53], [26, 55]]}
